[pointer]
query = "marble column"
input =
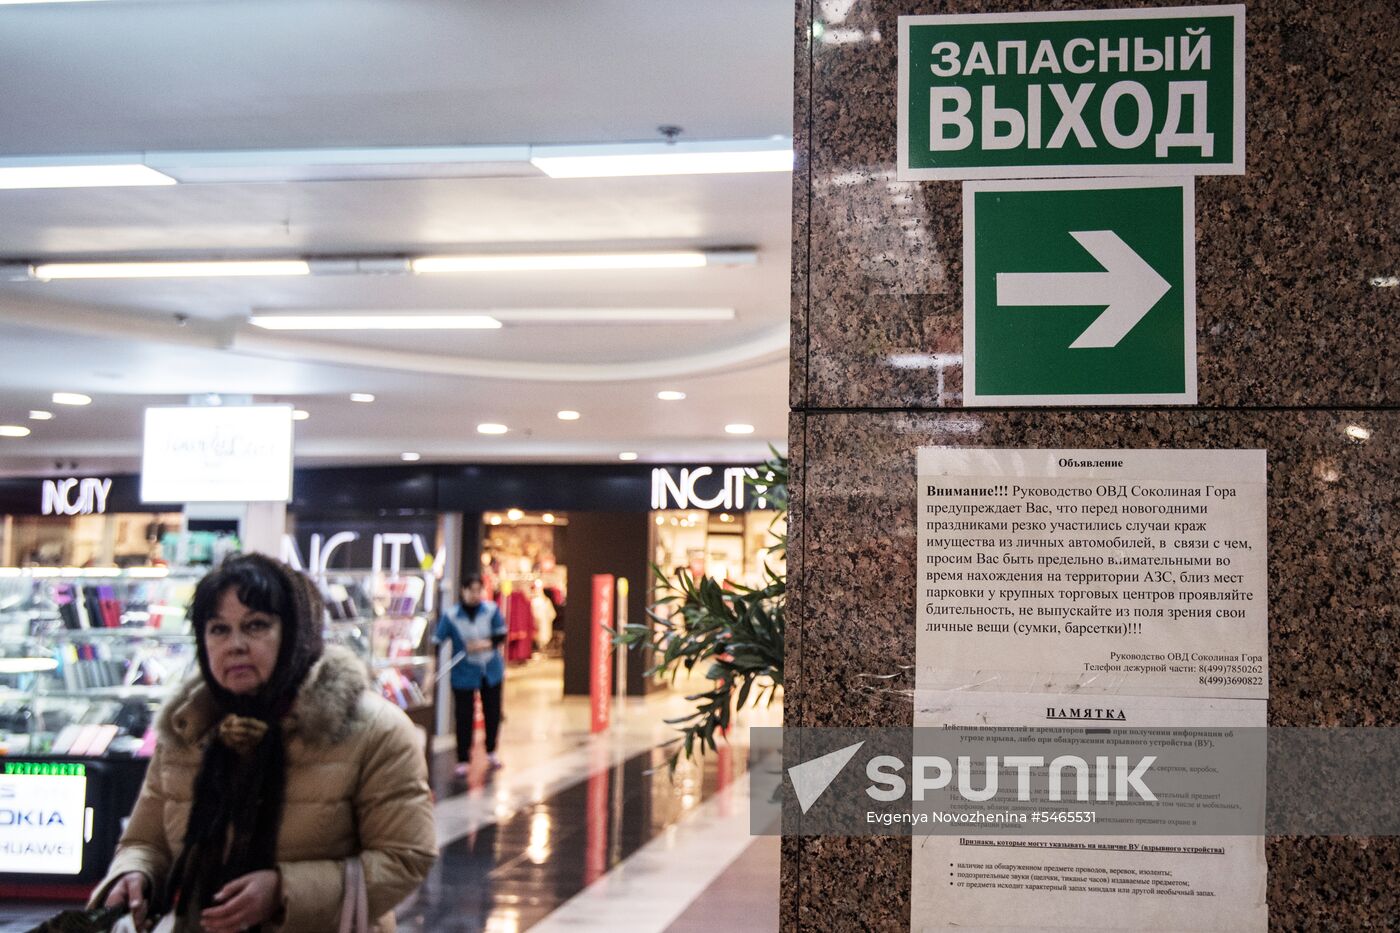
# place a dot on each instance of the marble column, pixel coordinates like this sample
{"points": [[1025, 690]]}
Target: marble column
{"points": [[1295, 344]]}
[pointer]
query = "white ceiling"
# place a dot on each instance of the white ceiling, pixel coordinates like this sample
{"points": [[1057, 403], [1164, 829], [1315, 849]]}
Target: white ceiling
{"points": [[281, 74]]}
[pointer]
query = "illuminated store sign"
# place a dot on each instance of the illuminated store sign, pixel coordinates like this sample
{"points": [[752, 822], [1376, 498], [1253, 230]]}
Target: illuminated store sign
{"points": [[43, 820], [76, 496], [391, 545], [704, 488]]}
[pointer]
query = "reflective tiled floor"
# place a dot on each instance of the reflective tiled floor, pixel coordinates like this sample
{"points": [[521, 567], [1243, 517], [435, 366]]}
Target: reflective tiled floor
{"points": [[581, 832]]}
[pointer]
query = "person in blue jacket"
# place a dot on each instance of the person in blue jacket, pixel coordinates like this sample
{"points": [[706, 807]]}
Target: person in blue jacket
{"points": [[477, 631]]}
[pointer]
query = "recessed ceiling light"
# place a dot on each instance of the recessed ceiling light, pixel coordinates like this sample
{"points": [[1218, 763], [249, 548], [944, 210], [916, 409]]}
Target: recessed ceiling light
{"points": [[170, 270], [491, 428], [410, 457], [299, 414], [514, 515], [1357, 432], [738, 429], [560, 262], [627, 455], [547, 518], [670, 395], [79, 176], [615, 160], [39, 415], [495, 519], [374, 321], [364, 397], [568, 415], [71, 398], [13, 430]]}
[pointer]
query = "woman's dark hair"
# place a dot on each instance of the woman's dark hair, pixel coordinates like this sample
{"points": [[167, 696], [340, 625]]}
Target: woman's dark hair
{"points": [[257, 583], [471, 579]]}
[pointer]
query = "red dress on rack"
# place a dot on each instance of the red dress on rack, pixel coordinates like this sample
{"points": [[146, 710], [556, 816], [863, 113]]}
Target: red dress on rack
{"points": [[520, 627]]}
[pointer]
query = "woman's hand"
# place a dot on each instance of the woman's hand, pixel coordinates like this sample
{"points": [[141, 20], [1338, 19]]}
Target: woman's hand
{"points": [[244, 902], [130, 891]]}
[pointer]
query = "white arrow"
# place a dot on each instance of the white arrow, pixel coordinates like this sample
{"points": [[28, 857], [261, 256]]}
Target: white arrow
{"points": [[1128, 286]]}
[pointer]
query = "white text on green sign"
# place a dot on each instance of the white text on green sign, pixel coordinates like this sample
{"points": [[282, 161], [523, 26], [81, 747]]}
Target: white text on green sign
{"points": [[1035, 95]]}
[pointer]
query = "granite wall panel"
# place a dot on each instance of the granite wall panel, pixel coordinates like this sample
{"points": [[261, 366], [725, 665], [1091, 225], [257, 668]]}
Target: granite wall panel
{"points": [[1334, 611], [1295, 342], [1285, 311]]}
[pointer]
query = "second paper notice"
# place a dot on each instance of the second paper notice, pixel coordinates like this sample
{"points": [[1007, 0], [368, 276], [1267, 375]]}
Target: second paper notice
{"points": [[1112, 588]]}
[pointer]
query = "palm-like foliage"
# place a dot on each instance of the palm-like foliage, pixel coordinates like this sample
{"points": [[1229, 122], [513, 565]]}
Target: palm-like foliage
{"points": [[736, 634]]}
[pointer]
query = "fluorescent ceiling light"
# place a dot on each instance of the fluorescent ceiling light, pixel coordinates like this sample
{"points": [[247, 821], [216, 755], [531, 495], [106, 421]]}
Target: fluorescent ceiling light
{"points": [[38, 415], [71, 398], [375, 321], [13, 430], [627, 455], [610, 315], [670, 395], [409, 456], [80, 176], [738, 429], [300, 414], [561, 262], [490, 428], [676, 158], [363, 397], [171, 270], [568, 415]]}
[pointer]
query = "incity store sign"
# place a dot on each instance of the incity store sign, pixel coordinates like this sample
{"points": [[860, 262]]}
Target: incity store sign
{"points": [[76, 496], [704, 488], [1077, 93]]}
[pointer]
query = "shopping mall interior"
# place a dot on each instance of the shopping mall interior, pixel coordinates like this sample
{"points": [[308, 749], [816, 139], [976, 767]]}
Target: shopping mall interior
{"points": [[503, 466], [489, 357]]}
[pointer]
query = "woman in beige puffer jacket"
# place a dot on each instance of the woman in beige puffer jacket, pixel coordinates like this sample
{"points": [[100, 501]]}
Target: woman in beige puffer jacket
{"points": [[355, 784]]}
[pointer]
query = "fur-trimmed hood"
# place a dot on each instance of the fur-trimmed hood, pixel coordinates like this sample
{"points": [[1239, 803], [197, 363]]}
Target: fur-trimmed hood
{"points": [[326, 710]]}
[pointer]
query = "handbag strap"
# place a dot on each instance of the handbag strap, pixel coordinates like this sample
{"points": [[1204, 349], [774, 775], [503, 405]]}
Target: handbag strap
{"points": [[354, 911]]}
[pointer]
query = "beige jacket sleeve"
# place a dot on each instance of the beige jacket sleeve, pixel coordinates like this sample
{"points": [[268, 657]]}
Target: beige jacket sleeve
{"points": [[144, 846], [398, 838]]}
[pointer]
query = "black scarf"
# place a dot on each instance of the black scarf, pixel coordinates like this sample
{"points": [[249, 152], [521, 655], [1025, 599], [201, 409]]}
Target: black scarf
{"points": [[238, 795]]}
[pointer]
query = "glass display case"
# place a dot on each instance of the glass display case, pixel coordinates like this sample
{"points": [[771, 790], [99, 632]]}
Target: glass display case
{"points": [[385, 618]]}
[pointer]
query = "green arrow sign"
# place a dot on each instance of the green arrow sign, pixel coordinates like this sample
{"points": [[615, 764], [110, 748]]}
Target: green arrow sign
{"points": [[1079, 292], [1074, 93]]}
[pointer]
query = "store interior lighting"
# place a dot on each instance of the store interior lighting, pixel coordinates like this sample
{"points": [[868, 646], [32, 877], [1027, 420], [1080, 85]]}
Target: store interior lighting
{"points": [[580, 262], [627, 455], [13, 430], [71, 398], [300, 414], [738, 429], [40, 415], [568, 415], [363, 398], [491, 428], [670, 395], [489, 319]]}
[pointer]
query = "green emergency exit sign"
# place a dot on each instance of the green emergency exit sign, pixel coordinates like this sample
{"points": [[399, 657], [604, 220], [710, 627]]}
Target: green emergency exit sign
{"points": [[1079, 292], [1078, 93]]}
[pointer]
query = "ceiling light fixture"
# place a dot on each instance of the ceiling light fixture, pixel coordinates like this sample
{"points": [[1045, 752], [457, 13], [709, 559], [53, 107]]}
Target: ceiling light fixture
{"points": [[670, 395], [362, 397], [738, 429], [170, 270], [300, 414], [409, 456], [560, 262], [13, 430], [663, 158], [567, 415], [514, 515], [491, 428], [38, 415], [80, 176], [375, 321], [495, 519], [627, 455], [547, 518], [71, 398]]}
